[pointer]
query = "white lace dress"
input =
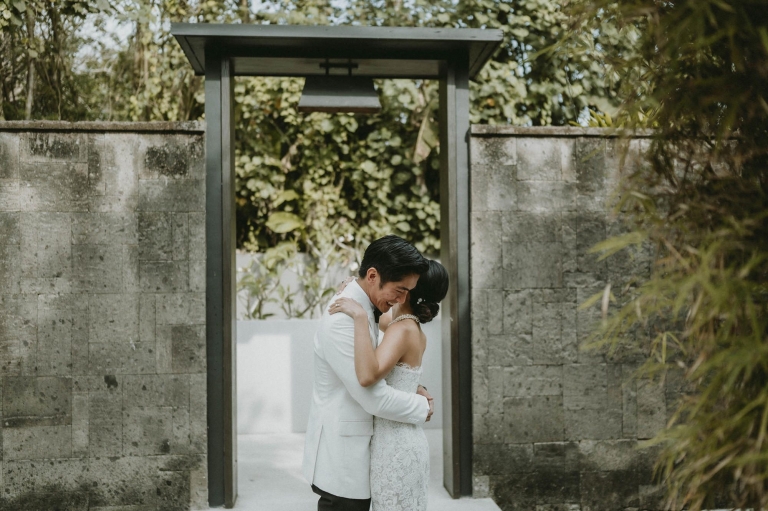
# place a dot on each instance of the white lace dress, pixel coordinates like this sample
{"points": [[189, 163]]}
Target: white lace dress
{"points": [[399, 455]]}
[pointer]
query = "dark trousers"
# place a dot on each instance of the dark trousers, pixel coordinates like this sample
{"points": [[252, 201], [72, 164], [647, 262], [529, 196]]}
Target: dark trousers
{"points": [[329, 502]]}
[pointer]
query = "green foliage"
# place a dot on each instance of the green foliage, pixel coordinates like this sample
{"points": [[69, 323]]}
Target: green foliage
{"points": [[364, 175], [261, 282], [148, 77], [370, 175], [597, 119], [702, 202], [258, 285], [305, 173], [38, 42], [525, 83]]}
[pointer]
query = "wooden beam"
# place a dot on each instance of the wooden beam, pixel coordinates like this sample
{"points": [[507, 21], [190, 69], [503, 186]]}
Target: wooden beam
{"points": [[220, 283], [454, 243]]}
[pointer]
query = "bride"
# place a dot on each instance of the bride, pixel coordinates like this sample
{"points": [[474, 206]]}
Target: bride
{"points": [[399, 451]]}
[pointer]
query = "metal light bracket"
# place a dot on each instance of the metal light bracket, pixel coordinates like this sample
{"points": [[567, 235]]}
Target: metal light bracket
{"points": [[339, 93]]}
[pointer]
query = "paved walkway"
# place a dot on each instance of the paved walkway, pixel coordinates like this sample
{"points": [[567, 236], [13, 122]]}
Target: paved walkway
{"points": [[270, 476]]}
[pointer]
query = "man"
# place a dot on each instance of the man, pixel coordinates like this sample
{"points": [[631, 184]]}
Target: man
{"points": [[337, 447]]}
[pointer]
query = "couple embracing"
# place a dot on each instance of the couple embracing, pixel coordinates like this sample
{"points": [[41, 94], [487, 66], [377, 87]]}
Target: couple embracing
{"points": [[365, 448]]}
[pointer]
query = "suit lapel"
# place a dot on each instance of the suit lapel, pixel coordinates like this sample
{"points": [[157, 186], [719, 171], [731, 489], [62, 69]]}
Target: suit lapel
{"points": [[375, 330]]}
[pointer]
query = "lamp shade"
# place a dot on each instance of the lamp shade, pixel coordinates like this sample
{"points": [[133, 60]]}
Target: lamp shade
{"points": [[339, 93]]}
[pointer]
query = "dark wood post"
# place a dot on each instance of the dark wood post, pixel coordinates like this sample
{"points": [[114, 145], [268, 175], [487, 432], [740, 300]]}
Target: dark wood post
{"points": [[220, 282], [454, 242]]}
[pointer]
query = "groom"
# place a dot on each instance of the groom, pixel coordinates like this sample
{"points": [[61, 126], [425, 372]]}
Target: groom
{"points": [[337, 447]]}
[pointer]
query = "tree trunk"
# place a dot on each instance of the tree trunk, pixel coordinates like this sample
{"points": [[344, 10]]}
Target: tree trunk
{"points": [[58, 57], [138, 68], [3, 74], [245, 11], [31, 64], [137, 57], [2, 94]]}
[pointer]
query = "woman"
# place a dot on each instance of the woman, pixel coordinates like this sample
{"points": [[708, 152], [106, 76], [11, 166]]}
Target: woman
{"points": [[399, 451]]}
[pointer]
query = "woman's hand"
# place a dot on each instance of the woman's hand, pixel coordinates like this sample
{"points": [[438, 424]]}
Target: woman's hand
{"points": [[344, 283], [348, 306]]}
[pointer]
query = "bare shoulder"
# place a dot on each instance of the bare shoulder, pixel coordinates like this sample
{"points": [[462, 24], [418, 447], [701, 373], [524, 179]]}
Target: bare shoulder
{"points": [[409, 338], [407, 328]]}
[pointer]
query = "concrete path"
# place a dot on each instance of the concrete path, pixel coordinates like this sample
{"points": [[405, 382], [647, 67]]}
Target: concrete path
{"points": [[270, 476]]}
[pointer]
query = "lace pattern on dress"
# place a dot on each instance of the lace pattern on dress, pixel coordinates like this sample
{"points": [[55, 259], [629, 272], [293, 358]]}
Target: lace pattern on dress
{"points": [[399, 454]]}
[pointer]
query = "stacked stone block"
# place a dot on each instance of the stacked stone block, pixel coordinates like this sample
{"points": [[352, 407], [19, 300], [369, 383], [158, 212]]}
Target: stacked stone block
{"points": [[555, 427], [102, 317]]}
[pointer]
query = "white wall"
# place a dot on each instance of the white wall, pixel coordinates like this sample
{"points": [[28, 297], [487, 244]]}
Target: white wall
{"points": [[274, 374]]}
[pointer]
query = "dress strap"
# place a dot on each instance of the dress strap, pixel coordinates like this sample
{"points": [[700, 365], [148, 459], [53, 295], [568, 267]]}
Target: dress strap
{"points": [[405, 316]]}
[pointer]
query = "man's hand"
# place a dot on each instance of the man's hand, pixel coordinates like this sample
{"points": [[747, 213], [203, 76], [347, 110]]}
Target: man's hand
{"points": [[422, 391]]}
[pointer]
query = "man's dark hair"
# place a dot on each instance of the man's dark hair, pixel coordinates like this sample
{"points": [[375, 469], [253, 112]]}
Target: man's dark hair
{"points": [[394, 259]]}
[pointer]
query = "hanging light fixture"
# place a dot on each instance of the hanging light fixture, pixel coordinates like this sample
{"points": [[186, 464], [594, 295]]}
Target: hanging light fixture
{"points": [[339, 93]]}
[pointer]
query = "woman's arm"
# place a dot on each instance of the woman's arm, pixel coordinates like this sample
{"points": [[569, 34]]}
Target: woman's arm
{"points": [[370, 366]]}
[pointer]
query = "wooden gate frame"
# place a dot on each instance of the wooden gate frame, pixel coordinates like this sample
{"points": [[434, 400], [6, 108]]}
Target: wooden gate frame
{"points": [[222, 52]]}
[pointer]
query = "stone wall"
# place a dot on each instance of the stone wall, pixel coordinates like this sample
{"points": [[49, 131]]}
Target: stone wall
{"points": [[102, 322], [102, 316], [555, 427]]}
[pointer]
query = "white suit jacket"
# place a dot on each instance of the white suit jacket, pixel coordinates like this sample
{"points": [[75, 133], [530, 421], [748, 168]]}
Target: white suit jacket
{"points": [[337, 456]]}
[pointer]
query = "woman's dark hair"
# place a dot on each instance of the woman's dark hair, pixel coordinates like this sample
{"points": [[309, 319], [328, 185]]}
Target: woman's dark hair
{"points": [[429, 291], [394, 259]]}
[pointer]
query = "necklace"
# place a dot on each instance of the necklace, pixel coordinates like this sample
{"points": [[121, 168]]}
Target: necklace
{"points": [[405, 316]]}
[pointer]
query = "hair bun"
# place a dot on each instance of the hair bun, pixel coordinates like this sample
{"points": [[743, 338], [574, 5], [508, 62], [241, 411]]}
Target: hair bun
{"points": [[425, 311]]}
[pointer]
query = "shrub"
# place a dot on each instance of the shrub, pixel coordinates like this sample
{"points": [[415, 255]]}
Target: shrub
{"points": [[702, 203]]}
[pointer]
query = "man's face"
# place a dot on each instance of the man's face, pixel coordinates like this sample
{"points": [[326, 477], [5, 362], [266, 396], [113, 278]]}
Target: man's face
{"points": [[385, 296]]}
